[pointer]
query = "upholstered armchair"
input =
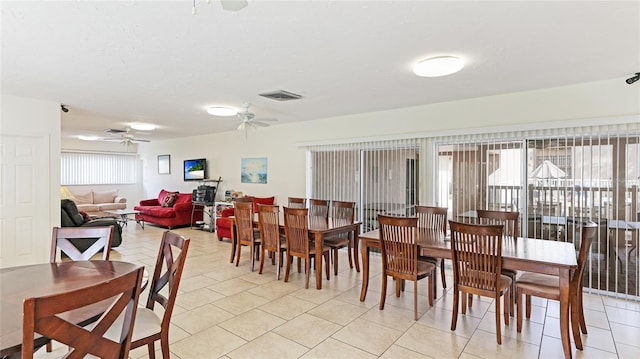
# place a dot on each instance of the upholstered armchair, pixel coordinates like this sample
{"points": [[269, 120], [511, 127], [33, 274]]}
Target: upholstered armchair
{"points": [[71, 217]]}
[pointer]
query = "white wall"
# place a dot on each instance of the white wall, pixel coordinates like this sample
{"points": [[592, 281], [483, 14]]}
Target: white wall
{"points": [[281, 144], [31, 119]]}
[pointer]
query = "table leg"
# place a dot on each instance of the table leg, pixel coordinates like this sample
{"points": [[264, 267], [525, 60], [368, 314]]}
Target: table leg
{"points": [[365, 268], [564, 311], [318, 266]]}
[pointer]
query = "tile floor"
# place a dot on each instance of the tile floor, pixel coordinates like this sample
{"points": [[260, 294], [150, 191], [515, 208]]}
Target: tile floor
{"points": [[224, 311]]}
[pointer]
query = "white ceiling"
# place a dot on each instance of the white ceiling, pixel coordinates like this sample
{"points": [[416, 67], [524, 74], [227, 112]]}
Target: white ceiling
{"points": [[114, 63]]}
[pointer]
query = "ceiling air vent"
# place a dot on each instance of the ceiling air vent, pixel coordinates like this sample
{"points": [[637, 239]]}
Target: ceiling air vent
{"points": [[281, 95]]}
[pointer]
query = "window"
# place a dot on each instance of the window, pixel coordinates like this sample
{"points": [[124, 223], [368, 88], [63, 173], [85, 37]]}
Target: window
{"points": [[91, 168]]}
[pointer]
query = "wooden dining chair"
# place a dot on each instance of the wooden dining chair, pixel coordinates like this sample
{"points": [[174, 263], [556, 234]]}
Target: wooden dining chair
{"points": [[400, 257], [45, 316], [433, 218], [476, 253], [341, 212], [272, 240], [318, 208], [547, 286], [245, 234], [509, 221], [296, 202], [296, 227], [61, 236], [151, 326]]}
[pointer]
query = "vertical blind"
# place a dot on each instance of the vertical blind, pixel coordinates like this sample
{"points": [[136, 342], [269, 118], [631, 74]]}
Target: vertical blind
{"points": [[379, 176], [88, 168]]}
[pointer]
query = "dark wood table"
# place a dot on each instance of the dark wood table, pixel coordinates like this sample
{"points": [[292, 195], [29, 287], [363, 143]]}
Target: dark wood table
{"points": [[527, 254], [19, 283], [319, 227]]}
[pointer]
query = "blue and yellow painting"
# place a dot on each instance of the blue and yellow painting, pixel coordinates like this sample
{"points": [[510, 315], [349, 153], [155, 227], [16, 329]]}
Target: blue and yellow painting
{"points": [[253, 170]]}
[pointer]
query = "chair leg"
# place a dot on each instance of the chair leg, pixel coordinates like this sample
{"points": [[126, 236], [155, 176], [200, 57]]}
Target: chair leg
{"points": [[326, 268], [583, 324], [261, 263], [415, 299], [286, 272], [49, 347], [464, 302], [239, 250], [335, 261], [432, 286], [299, 266], [307, 270], [507, 306], [498, 325], [519, 310], [454, 316], [164, 345], [233, 250], [252, 249], [383, 294], [349, 252], [444, 278], [152, 350], [528, 306], [278, 258]]}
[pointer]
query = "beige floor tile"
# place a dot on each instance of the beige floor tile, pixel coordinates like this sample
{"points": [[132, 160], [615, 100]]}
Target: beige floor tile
{"points": [[368, 336], [307, 330], [314, 295], [197, 298], [337, 311], [273, 290], [441, 319], [288, 307], [596, 318], [391, 317], [628, 351], [251, 324], [597, 338], [483, 344], [213, 342], [552, 348], [197, 282], [231, 286], [352, 296], [240, 303], [432, 342], [331, 348], [270, 345], [398, 352], [621, 303], [197, 320], [623, 316], [625, 334], [593, 302]]}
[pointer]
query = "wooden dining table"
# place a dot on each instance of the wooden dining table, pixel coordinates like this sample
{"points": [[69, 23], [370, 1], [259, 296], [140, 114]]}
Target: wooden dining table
{"points": [[526, 254], [319, 228], [19, 283]]}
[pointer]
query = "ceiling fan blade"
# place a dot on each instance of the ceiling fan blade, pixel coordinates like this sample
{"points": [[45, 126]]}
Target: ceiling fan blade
{"points": [[115, 131], [233, 5], [258, 123], [242, 126], [139, 140], [111, 139], [268, 119]]}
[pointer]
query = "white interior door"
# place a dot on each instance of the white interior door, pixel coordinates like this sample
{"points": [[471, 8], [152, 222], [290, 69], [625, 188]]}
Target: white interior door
{"points": [[24, 200]]}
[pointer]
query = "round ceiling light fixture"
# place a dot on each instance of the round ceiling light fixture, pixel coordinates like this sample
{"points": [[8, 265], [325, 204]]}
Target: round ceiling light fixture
{"points": [[88, 138], [143, 126], [222, 111], [438, 66]]}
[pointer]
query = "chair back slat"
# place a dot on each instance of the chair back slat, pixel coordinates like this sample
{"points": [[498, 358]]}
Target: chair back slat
{"points": [[509, 220], [296, 228], [269, 224], [399, 250], [476, 252], [244, 222], [343, 210], [295, 202], [61, 236], [432, 218], [42, 315], [318, 208]]}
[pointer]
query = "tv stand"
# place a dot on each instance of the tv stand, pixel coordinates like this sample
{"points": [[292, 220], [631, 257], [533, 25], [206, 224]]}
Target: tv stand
{"points": [[203, 199]]}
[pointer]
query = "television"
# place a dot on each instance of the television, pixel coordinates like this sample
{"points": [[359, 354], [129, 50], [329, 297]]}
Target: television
{"points": [[195, 170]]}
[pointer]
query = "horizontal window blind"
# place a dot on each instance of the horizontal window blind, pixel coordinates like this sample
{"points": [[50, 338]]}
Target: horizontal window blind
{"points": [[88, 168]]}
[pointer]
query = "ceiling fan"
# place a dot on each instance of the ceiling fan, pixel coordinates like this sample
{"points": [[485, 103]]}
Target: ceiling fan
{"points": [[124, 136], [248, 119]]}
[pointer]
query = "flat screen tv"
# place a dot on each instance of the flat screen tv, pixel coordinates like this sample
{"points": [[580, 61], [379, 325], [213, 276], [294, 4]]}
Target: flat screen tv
{"points": [[195, 170]]}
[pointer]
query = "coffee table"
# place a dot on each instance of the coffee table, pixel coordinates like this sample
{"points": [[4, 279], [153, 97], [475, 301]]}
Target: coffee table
{"points": [[124, 216]]}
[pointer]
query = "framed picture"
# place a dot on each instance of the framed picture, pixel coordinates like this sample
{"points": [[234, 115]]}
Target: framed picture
{"points": [[253, 170], [164, 164]]}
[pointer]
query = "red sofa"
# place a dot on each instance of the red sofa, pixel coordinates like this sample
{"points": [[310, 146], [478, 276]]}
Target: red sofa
{"points": [[179, 214], [223, 223]]}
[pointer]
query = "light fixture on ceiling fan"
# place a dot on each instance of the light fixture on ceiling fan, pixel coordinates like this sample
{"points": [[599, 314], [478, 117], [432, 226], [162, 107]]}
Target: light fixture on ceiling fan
{"points": [[248, 119], [126, 136]]}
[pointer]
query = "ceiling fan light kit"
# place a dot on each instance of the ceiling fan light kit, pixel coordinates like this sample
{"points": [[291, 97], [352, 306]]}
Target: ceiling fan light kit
{"points": [[143, 126], [438, 66], [88, 138]]}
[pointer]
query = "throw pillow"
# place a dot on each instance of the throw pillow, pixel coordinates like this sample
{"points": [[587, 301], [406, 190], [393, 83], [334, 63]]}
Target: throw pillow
{"points": [[170, 199]]}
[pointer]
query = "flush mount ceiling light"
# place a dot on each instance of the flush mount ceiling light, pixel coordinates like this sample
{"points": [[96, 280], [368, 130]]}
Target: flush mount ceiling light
{"points": [[88, 138], [143, 126], [438, 66], [222, 111]]}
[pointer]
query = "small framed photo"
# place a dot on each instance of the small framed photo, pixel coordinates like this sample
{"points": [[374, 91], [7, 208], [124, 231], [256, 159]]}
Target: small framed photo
{"points": [[164, 164]]}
